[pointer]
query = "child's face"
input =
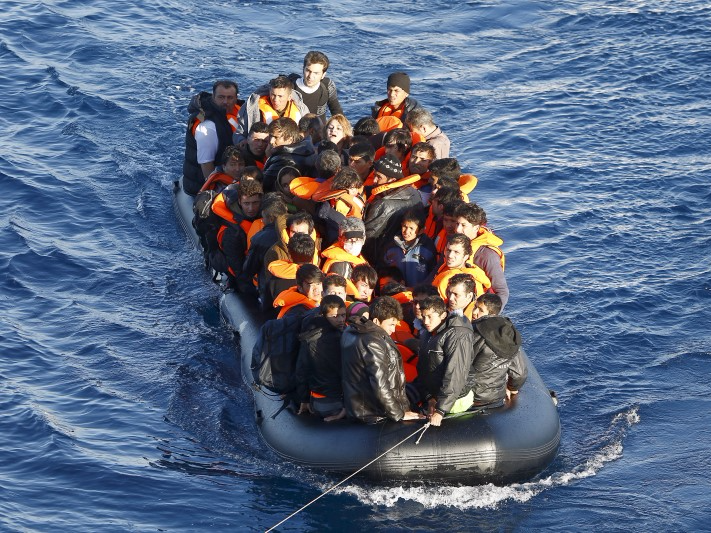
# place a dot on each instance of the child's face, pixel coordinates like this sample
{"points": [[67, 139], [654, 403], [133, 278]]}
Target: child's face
{"points": [[336, 316], [410, 230]]}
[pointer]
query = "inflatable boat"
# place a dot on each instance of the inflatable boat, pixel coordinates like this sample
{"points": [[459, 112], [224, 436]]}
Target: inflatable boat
{"points": [[502, 445]]}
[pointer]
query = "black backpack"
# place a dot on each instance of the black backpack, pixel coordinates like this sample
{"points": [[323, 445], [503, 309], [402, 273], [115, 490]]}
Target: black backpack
{"points": [[275, 353]]}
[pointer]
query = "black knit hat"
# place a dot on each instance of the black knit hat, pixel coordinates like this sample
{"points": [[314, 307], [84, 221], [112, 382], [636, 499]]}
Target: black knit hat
{"points": [[399, 79], [389, 166]]}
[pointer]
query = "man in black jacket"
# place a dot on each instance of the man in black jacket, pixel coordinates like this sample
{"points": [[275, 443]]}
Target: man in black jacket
{"points": [[373, 376], [444, 361]]}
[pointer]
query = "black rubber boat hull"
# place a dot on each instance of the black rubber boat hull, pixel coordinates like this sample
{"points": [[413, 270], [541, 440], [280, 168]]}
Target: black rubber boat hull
{"points": [[508, 444]]}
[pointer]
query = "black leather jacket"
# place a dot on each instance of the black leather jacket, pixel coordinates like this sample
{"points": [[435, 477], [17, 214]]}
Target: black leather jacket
{"points": [[373, 377], [444, 362]]}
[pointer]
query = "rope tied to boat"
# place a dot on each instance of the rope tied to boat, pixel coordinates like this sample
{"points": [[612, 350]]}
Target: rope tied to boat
{"points": [[422, 429]]}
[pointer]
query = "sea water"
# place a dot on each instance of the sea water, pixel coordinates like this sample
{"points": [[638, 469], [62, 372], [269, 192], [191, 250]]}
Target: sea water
{"points": [[587, 123]]}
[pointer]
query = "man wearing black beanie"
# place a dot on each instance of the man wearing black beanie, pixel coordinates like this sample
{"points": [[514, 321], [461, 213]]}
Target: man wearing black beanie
{"points": [[398, 103]]}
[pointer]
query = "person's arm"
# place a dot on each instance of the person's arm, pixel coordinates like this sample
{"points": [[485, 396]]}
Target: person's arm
{"points": [[490, 262], [239, 137], [334, 106], [517, 373], [375, 359], [206, 141], [233, 244], [458, 346]]}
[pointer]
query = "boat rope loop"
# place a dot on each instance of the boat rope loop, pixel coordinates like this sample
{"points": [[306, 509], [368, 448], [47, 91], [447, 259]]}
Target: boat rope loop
{"points": [[422, 429]]}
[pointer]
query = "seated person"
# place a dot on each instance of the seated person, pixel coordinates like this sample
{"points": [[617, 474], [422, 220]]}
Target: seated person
{"points": [[419, 293], [420, 120], [412, 251], [444, 359], [421, 155], [335, 284], [254, 150], [311, 126], [398, 103], [228, 172], [361, 156], [392, 196], [343, 256], [449, 226], [498, 367], [286, 227], [272, 208], [372, 374], [252, 173], [456, 261], [449, 168], [434, 221], [281, 274], [339, 131], [268, 103], [342, 199], [318, 367], [305, 294], [366, 127], [287, 149], [486, 254], [238, 206], [461, 298], [398, 143], [363, 281]]}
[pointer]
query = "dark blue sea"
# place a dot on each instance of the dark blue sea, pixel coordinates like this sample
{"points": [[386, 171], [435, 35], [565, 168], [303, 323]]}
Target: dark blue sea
{"points": [[588, 124]]}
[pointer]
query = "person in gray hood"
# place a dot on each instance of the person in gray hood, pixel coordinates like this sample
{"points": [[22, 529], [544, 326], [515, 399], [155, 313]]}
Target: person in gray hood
{"points": [[498, 364]]}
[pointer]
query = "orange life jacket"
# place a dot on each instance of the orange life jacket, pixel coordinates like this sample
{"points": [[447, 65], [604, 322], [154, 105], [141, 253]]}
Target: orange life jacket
{"points": [[231, 118], [402, 182], [487, 238], [440, 243], [269, 114], [481, 280], [292, 297], [409, 362], [388, 122], [216, 179], [431, 225], [336, 254], [467, 183], [387, 110]]}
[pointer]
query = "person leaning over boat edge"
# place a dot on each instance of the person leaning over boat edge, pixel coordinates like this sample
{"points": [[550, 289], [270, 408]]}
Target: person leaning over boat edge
{"points": [[317, 91], [209, 132], [373, 376]]}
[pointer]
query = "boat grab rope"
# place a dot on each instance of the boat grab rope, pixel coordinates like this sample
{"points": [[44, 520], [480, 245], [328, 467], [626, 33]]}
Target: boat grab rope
{"points": [[422, 429]]}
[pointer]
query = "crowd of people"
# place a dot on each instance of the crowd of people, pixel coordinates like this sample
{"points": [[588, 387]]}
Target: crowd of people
{"points": [[362, 238]]}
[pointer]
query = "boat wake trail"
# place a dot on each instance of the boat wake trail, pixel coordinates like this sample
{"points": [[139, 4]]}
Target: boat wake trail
{"points": [[491, 496]]}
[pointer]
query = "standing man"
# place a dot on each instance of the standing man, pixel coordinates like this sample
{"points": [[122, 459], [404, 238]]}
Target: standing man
{"points": [[398, 103], [372, 371], [210, 125], [275, 100], [317, 91]]}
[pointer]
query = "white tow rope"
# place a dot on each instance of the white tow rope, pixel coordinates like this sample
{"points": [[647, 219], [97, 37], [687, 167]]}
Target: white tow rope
{"points": [[422, 429]]}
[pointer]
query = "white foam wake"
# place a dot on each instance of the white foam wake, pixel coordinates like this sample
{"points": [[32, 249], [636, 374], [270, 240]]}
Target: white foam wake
{"points": [[491, 496]]}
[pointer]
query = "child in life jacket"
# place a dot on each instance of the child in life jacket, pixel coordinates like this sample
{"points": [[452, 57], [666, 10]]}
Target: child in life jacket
{"points": [[412, 251], [318, 367]]}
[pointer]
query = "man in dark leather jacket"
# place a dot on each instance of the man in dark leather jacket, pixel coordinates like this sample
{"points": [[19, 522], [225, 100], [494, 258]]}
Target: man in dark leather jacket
{"points": [[373, 376], [444, 361]]}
